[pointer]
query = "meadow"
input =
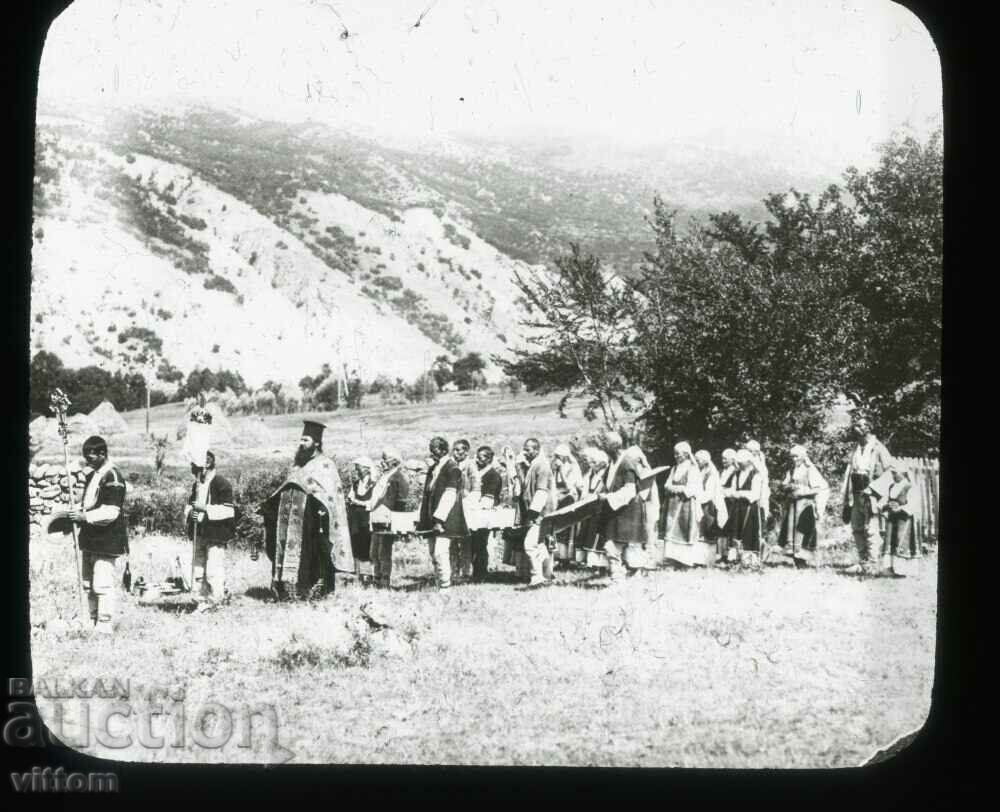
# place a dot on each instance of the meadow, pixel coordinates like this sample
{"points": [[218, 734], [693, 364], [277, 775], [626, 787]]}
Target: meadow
{"points": [[779, 668]]}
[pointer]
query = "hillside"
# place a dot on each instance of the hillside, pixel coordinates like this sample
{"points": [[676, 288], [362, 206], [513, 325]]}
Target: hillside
{"points": [[204, 237]]}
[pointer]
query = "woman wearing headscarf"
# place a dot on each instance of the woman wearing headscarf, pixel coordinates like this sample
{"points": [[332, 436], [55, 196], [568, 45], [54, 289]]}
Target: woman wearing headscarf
{"points": [[745, 529], [632, 437], [805, 491], [592, 484], [727, 487], [898, 510], [714, 513], [569, 483], [359, 517], [684, 490]]}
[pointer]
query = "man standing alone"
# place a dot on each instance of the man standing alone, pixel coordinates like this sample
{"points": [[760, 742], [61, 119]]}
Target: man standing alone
{"points": [[867, 463], [210, 517], [103, 536]]}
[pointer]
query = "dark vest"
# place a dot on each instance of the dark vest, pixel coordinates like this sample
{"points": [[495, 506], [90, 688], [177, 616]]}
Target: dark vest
{"points": [[109, 539], [220, 492]]}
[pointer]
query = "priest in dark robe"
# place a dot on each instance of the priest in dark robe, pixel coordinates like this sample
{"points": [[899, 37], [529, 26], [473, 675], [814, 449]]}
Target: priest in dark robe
{"points": [[306, 533]]}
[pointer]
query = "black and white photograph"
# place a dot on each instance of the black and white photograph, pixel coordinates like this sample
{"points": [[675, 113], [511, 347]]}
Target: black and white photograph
{"points": [[473, 383]]}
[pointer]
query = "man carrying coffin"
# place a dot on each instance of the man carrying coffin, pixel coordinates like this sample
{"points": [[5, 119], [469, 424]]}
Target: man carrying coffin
{"points": [[442, 516], [490, 487], [390, 494], [625, 510], [306, 533], [538, 499]]}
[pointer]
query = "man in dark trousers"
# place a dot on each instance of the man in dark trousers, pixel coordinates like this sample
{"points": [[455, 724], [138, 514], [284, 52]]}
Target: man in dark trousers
{"points": [[305, 522], [490, 487], [441, 512], [390, 495], [102, 536], [210, 517]]}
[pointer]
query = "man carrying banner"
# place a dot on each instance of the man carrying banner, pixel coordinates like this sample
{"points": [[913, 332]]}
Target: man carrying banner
{"points": [[442, 517], [305, 522], [103, 536], [390, 494]]}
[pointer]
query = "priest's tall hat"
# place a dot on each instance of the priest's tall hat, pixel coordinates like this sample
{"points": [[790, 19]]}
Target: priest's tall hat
{"points": [[314, 430]]}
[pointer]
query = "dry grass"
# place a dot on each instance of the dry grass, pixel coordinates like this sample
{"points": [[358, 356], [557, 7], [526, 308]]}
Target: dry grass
{"points": [[782, 668]]}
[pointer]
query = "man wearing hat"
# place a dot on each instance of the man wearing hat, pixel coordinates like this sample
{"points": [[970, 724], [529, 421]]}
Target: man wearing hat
{"points": [[210, 517], [103, 536], [306, 532]]}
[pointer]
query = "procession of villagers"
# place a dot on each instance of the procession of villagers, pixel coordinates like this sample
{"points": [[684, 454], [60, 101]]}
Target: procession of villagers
{"points": [[312, 530]]}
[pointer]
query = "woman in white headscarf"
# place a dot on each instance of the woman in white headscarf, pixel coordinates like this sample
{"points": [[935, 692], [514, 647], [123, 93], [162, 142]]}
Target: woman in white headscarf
{"points": [[593, 484], [744, 527], [805, 491], [568, 481], [714, 513], [684, 489]]}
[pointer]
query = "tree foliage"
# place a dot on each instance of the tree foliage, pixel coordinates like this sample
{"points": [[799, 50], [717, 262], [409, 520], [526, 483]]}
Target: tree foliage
{"points": [[738, 328], [579, 322]]}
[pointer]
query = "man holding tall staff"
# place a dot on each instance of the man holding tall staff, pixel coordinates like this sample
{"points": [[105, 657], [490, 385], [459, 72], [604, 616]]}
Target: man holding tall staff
{"points": [[102, 536]]}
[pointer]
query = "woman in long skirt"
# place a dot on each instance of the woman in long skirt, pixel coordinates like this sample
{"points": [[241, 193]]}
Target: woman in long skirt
{"points": [[805, 491], [683, 487], [745, 530], [900, 539], [727, 486], [593, 485]]}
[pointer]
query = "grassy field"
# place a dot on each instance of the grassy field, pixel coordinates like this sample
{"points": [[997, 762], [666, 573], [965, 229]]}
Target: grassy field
{"points": [[703, 668], [780, 668]]}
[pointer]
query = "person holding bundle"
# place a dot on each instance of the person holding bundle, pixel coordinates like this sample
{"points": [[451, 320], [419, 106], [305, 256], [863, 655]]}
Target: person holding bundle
{"points": [[390, 494], [639, 555], [805, 492], [898, 514]]}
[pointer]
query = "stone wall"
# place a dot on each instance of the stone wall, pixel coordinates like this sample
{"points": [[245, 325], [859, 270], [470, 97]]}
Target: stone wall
{"points": [[48, 490]]}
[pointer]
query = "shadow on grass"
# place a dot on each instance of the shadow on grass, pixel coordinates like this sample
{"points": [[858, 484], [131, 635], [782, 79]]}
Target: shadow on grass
{"points": [[260, 593]]}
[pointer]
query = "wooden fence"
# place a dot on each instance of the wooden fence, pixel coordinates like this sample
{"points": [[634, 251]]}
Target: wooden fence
{"points": [[925, 497]]}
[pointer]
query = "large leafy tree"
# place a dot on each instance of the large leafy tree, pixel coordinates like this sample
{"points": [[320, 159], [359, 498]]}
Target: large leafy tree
{"points": [[578, 323], [742, 327], [896, 281]]}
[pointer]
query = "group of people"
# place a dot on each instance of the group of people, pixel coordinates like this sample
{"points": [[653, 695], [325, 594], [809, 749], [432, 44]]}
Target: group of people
{"points": [[312, 529]]}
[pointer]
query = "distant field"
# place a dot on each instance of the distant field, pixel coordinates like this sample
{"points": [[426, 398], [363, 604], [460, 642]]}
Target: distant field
{"points": [[491, 418]]}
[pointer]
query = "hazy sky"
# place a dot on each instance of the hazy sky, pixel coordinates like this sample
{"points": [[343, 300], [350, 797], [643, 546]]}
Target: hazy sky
{"points": [[838, 75]]}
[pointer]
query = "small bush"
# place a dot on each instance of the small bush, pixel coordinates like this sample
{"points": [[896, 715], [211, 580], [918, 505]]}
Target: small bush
{"points": [[216, 282]]}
